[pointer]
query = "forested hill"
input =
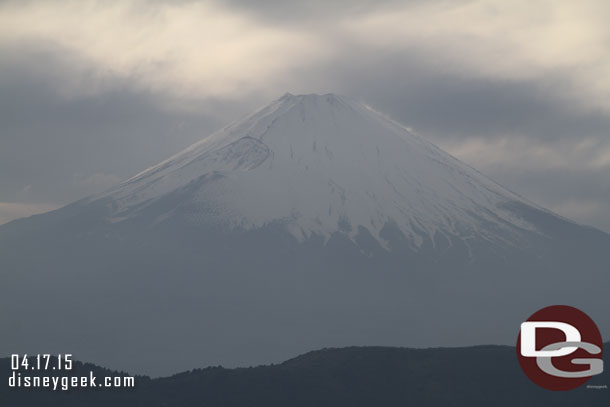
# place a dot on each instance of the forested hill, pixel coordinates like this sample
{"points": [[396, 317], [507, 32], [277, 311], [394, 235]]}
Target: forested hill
{"points": [[355, 376]]}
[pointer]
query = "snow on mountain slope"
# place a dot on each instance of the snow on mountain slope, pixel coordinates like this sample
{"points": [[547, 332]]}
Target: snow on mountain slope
{"points": [[322, 163]]}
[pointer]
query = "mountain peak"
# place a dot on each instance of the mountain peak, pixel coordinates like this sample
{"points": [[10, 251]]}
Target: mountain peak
{"points": [[312, 96], [315, 100], [321, 164]]}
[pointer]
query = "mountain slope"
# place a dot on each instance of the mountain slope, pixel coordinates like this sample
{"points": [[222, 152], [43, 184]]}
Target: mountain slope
{"points": [[314, 222]]}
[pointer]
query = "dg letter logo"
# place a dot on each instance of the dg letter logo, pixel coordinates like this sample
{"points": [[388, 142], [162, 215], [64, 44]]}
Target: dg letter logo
{"points": [[560, 348]]}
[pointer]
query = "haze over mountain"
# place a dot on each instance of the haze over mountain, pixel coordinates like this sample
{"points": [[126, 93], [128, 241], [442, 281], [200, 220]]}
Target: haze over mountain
{"points": [[313, 222]]}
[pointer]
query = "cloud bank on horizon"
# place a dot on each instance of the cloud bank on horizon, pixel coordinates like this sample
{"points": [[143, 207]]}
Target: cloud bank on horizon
{"points": [[92, 92]]}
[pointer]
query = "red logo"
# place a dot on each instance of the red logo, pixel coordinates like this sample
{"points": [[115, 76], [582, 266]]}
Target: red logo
{"points": [[560, 348]]}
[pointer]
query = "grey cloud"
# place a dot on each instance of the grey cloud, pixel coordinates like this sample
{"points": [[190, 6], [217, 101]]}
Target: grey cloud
{"points": [[449, 107], [313, 11], [59, 146], [415, 88]]}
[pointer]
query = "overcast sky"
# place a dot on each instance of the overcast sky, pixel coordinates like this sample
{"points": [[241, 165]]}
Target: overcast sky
{"points": [[92, 92]]}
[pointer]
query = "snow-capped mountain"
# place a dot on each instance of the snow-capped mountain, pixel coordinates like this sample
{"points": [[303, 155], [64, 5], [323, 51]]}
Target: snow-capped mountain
{"points": [[313, 222], [322, 164]]}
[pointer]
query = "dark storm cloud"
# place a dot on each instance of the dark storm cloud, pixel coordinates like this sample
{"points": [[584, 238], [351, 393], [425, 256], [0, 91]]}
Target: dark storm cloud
{"points": [[57, 148], [308, 12], [455, 107]]}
